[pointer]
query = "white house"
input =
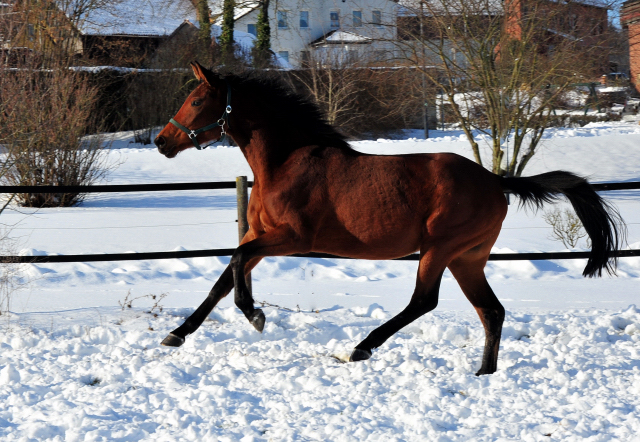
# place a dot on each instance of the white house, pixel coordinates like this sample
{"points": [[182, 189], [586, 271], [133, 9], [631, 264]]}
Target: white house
{"points": [[342, 30]]}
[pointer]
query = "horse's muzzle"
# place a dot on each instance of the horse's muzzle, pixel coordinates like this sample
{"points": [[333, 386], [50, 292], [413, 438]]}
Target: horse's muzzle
{"points": [[161, 143]]}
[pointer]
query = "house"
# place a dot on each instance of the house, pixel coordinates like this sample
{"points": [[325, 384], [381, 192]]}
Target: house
{"points": [[630, 20], [342, 30], [581, 21], [130, 31], [121, 33]]}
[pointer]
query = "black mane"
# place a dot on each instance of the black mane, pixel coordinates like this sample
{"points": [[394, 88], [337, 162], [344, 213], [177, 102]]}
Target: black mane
{"points": [[288, 108]]}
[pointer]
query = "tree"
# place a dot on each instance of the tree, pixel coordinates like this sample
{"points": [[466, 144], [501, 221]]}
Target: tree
{"points": [[204, 33], [45, 113], [503, 67], [355, 95], [261, 51], [226, 43]]}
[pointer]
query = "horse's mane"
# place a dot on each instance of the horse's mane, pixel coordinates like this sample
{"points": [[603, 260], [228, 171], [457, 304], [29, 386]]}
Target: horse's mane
{"points": [[288, 108]]}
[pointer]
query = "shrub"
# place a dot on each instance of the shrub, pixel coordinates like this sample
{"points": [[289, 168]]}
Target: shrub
{"points": [[43, 125], [566, 226]]}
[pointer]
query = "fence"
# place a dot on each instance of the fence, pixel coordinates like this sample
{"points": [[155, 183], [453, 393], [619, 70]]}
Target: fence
{"points": [[241, 185]]}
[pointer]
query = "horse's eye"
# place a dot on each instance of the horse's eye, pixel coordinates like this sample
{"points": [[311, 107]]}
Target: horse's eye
{"points": [[196, 103]]}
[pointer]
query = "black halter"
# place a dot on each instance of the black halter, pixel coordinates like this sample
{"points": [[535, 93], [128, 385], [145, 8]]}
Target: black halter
{"points": [[224, 119]]}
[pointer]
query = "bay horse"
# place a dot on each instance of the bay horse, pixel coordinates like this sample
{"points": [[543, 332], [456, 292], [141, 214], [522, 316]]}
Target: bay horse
{"points": [[313, 193]]}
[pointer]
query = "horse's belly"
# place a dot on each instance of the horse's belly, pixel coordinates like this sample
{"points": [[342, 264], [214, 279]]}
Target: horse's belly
{"points": [[368, 243]]}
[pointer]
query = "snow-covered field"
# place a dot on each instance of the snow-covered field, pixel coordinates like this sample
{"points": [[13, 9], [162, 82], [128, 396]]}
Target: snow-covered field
{"points": [[75, 366]]}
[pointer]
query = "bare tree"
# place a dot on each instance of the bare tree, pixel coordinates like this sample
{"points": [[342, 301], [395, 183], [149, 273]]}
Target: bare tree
{"points": [[334, 86], [45, 114], [357, 94], [504, 66]]}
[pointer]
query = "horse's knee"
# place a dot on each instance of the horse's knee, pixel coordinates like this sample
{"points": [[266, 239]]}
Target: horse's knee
{"points": [[236, 258]]}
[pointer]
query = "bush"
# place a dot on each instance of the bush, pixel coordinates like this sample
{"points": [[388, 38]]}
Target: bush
{"points": [[566, 226], [363, 101], [43, 125]]}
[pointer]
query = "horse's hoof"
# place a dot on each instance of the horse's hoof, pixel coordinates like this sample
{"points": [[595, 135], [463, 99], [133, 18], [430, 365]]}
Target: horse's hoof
{"points": [[257, 319], [360, 355], [482, 372], [173, 340]]}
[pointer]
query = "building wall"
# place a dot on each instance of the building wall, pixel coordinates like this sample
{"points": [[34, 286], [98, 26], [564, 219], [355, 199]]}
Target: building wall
{"points": [[630, 19], [293, 39]]}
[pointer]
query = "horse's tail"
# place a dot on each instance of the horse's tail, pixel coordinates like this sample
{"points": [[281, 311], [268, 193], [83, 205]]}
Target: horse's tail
{"points": [[601, 220]]}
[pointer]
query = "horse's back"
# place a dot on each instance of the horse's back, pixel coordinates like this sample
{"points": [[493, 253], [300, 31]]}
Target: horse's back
{"points": [[386, 206]]}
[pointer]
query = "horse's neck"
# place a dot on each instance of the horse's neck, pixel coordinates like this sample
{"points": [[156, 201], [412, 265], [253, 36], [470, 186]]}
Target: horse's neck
{"points": [[264, 150]]}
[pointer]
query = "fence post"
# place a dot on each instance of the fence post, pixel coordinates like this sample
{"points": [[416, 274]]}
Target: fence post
{"points": [[242, 196]]}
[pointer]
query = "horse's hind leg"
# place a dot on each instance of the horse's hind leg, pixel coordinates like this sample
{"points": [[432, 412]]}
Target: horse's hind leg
{"points": [[424, 299], [469, 272]]}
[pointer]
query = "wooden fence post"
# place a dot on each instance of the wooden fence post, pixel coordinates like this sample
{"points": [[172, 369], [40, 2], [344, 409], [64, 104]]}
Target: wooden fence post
{"points": [[242, 196]]}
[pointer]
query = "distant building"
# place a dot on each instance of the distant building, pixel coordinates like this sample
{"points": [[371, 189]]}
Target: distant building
{"points": [[122, 33], [630, 19], [340, 30]]}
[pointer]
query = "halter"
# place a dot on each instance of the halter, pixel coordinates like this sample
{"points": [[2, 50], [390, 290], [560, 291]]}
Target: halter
{"points": [[224, 119]]}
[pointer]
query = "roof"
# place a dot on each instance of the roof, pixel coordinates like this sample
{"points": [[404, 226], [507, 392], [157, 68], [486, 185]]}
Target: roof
{"points": [[134, 17], [338, 36], [242, 8], [409, 8]]}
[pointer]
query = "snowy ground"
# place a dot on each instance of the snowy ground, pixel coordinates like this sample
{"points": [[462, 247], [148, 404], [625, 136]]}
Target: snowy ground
{"points": [[75, 366]]}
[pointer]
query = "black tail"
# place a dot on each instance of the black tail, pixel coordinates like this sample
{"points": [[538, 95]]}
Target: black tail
{"points": [[601, 220]]}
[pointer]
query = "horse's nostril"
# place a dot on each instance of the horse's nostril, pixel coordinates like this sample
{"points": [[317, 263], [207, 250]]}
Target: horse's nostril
{"points": [[159, 142]]}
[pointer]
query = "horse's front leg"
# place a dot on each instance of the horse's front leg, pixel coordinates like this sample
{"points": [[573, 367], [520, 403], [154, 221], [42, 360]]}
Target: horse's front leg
{"points": [[278, 242], [220, 289]]}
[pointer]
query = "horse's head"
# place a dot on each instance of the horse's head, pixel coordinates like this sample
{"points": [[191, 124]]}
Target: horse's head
{"points": [[203, 117]]}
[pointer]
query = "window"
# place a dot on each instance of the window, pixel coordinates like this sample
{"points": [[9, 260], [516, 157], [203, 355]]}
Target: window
{"points": [[357, 19], [335, 19], [305, 58], [573, 22], [251, 29], [351, 57], [284, 55], [282, 20], [376, 18], [304, 19]]}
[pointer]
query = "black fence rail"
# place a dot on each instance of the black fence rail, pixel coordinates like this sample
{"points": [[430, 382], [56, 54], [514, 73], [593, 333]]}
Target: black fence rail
{"points": [[635, 185], [536, 256], [111, 188]]}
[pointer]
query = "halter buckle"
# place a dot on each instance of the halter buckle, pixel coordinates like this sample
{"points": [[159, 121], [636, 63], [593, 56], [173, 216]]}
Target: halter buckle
{"points": [[192, 134], [228, 109]]}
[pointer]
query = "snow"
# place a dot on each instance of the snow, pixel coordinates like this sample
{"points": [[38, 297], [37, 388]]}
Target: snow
{"points": [[337, 37], [75, 365]]}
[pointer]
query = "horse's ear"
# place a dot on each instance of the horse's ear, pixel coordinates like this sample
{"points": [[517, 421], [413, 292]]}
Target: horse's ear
{"points": [[199, 71]]}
